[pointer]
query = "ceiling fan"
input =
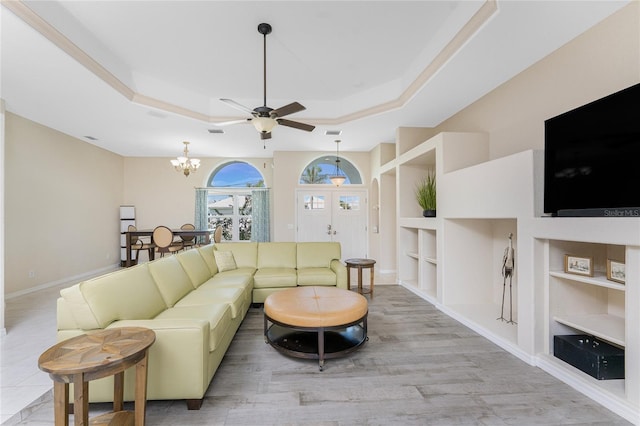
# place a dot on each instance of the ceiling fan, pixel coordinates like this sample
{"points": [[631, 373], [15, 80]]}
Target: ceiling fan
{"points": [[263, 117]]}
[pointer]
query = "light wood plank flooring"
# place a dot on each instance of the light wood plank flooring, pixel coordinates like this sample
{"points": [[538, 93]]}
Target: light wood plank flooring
{"points": [[419, 367]]}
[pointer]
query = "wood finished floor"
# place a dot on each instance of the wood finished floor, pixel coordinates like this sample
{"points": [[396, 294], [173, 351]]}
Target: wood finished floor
{"points": [[419, 367]]}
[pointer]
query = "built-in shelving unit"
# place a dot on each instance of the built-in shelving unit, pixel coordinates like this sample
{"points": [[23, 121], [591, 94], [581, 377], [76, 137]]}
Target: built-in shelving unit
{"points": [[592, 305], [455, 259]]}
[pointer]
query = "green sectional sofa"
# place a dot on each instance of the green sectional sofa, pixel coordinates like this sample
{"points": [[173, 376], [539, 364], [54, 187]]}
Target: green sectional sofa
{"points": [[194, 308]]}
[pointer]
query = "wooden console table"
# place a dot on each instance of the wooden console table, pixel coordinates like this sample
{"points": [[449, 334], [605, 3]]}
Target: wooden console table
{"points": [[93, 356]]}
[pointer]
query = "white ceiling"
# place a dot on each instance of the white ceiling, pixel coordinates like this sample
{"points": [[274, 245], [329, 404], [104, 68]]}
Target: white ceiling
{"points": [[142, 76]]}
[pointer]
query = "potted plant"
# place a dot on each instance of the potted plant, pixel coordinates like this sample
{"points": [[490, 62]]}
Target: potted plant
{"points": [[426, 195]]}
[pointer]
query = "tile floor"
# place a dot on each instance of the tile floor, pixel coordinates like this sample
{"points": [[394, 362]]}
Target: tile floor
{"points": [[31, 329]]}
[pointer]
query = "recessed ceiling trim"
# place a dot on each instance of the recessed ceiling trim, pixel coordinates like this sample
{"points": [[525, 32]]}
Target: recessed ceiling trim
{"points": [[481, 17], [22, 11]]}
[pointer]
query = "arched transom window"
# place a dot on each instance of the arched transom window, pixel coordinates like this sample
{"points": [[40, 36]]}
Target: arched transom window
{"points": [[319, 170]]}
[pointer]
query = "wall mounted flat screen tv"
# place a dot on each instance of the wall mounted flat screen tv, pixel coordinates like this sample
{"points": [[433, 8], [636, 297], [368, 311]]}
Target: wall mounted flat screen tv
{"points": [[592, 158]]}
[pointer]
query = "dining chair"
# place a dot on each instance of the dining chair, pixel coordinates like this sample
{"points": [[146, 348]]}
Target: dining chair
{"points": [[137, 244], [217, 234], [163, 239], [188, 241]]}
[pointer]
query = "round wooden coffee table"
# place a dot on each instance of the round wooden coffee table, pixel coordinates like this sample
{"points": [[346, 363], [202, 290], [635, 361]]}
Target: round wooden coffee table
{"points": [[315, 322], [93, 356]]}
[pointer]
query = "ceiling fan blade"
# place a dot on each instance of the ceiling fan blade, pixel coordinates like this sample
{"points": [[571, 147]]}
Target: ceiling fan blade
{"points": [[296, 124], [236, 105], [264, 136], [293, 107], [228, 123]]}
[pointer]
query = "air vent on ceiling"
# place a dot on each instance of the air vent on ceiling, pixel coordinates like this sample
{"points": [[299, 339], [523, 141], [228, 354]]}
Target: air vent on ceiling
{"points": [[216, 131], [333, 132], [91, 138]]}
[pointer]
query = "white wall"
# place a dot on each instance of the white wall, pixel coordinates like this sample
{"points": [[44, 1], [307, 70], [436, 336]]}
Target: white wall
{"points": [[2, 114]]}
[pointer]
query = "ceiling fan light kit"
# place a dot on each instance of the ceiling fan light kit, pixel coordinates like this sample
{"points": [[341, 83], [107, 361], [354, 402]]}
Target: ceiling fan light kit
{"points": [[264, 124], [264, 118]]}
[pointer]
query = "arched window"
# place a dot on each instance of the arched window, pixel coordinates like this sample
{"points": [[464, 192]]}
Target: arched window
{"points": [[319, 170], [235, 174], [230, 200]]}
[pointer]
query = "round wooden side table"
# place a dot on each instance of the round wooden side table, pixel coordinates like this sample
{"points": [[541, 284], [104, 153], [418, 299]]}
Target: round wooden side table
{"points": [[360, 264], [93, 356]]}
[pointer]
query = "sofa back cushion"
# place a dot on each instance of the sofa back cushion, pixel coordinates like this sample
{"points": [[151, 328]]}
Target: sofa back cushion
{"points": [[171, 279], [245, 254], [195, 267], [276, 255], [127, 294], [207, 254], [317, 255]]}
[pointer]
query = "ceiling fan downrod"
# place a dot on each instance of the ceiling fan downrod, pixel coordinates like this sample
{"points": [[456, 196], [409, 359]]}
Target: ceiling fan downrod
{"points": [[264, 29]]}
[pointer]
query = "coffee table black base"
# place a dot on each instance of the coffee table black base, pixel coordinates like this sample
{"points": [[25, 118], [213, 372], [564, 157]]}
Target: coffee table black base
{"points": [[316, 342]]}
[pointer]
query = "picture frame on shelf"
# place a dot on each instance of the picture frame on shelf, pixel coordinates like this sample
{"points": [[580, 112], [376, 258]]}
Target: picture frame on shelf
{"points": [[616, 271], [578, 265]]}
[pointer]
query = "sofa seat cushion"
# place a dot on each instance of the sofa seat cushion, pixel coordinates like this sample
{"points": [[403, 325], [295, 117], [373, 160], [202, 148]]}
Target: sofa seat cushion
{"points": [[243, 272], [234, 297], [218, 315], [275, 277], [236, 281], [316, 276]]}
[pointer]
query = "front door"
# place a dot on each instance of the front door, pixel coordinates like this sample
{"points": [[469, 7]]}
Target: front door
{"points": [[334, 215]]}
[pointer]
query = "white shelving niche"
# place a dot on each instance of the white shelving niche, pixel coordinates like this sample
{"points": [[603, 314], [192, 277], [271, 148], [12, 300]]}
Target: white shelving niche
{"points": [[419, 239], [473, 292], [592, 305]]}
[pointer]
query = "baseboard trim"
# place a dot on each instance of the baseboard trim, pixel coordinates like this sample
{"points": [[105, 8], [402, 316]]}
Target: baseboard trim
{"points": [[61, 281], [584, 386]]}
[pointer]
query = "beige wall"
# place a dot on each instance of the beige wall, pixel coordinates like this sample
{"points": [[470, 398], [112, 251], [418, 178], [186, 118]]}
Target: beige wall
{"points": [[61, 206], [162, 196], [601, 61]]}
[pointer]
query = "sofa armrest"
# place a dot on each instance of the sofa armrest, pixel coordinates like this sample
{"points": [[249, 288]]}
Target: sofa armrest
{"points": [[341, 273], [178, 360]]}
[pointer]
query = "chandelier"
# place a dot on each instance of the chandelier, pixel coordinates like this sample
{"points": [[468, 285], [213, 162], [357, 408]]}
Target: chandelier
{"points": [[185, 164], [337, 178]]}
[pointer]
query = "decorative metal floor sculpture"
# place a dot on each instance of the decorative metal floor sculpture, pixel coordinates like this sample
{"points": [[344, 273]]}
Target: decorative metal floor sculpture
{"points": [[508, 263]]}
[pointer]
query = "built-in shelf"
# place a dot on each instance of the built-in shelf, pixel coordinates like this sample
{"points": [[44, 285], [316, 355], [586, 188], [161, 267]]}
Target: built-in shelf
{"points": [[606, 327], [413, 255], [431, 260], [599, 279]]}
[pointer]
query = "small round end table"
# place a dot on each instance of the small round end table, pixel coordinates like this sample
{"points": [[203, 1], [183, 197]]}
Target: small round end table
{"points": [[93, 356], [360, 264]]}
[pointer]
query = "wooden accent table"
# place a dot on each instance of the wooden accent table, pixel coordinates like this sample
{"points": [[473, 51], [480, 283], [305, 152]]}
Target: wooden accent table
{"points": [[93, 356], [315, 322], [360, 264]]}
